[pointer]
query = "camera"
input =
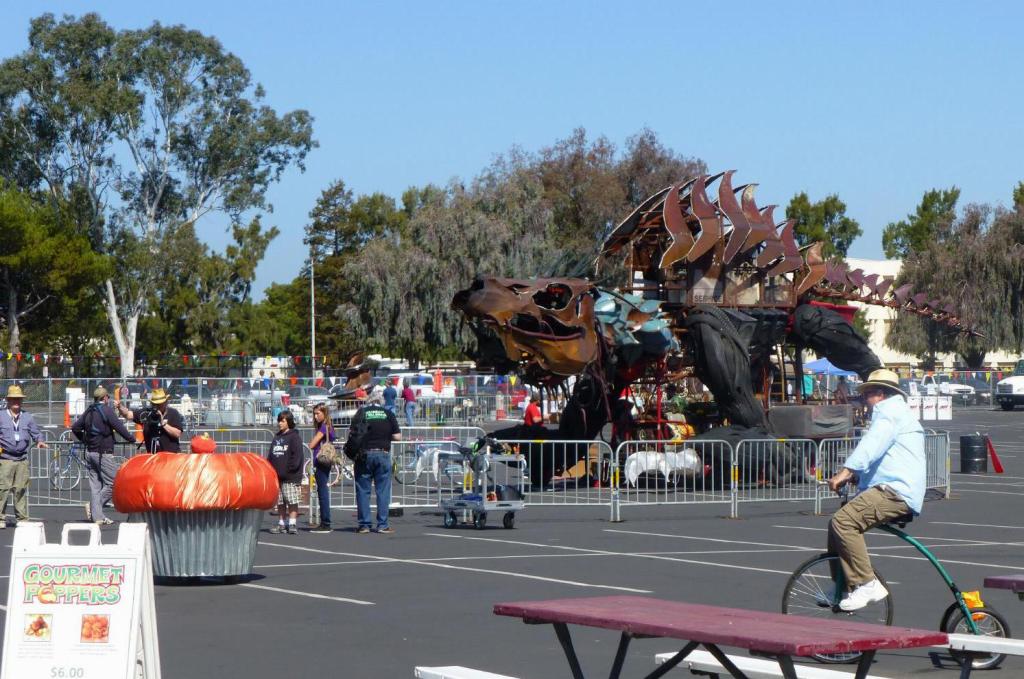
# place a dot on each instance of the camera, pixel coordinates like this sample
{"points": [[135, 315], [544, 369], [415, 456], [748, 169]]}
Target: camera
{"points": [[151, 416]]}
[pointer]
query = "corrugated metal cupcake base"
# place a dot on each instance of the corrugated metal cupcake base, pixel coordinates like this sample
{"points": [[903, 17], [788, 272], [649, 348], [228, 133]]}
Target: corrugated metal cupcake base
{"points": [[209, 542]]}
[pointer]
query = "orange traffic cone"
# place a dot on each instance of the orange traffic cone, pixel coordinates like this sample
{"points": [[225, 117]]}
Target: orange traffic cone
{"points": [[67, 415], [138, 434]]}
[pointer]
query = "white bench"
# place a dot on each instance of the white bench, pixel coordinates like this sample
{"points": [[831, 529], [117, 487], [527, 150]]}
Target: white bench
{"points": [[985, 644], [702, 662], [456, 672]]}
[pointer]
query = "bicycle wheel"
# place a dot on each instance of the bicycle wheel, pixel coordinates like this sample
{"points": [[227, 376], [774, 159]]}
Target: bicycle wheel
{"points": [[65, 472], [401, 472], [990, 623], [811, 592]]}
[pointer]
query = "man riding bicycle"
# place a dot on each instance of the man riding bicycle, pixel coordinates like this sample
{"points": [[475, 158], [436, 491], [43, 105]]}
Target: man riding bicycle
{"points": [[889, 463]]}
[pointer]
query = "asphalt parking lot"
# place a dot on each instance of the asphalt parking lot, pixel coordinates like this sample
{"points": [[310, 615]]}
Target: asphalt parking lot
{"points": [[378, 605]]}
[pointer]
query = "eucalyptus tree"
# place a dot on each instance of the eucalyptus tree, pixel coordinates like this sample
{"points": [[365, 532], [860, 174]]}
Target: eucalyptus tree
{"points": [[149, 131]]}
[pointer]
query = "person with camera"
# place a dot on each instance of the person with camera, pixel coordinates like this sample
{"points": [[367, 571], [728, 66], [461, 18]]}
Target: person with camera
{"points": [[18, 430], [377, 428], [161, 425], [95, 428]]}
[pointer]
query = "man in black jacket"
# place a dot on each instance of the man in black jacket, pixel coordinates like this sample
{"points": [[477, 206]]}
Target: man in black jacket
{"points": [[373, 464], [95, 428]]}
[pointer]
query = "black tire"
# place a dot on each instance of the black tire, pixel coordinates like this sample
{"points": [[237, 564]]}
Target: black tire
{"points": [[450, 520], [810, 592], [990, 623], [480, 521], [509, 520]]}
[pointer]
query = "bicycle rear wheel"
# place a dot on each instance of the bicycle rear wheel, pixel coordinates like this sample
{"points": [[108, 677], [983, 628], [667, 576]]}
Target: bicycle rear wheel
{"points": [[65, 472], [811, 591]]}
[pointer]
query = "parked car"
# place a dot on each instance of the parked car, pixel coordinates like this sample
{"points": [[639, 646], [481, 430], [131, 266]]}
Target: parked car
{"points": [[943, 385]]}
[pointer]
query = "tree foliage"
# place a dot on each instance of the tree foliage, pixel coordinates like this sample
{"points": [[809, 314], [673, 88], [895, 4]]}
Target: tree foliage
{"points": [[45, 265], [918, 231], [976, 263], [143, 132], [824, 221]]}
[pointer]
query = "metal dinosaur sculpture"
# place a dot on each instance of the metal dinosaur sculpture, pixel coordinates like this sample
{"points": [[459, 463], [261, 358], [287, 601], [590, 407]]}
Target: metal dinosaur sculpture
{"points": [[714, 287]]}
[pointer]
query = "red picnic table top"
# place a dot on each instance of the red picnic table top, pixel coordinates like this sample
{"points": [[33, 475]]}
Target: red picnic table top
{"points": [[767, 633], [1014, 583]]}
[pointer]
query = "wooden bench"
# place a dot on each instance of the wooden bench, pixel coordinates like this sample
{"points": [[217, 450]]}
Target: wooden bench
{"points": [[702, 662], [1014, 583], [456, 672], [774, 635]]}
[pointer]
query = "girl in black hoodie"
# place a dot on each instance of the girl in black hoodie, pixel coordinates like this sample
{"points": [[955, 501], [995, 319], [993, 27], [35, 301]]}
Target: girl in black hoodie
{"points": [[286, 457]]}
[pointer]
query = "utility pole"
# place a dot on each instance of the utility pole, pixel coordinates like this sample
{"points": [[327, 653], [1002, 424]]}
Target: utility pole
{"points": [[312, 319]]}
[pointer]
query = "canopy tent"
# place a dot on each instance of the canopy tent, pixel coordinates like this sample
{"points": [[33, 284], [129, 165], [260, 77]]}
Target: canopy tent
{"points": [[823, 366]]}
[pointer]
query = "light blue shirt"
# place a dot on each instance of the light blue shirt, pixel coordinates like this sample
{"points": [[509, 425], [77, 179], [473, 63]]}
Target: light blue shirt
{"points": [[891, 452]]}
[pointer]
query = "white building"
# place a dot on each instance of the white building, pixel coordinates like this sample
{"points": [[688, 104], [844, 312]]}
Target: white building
{"points": [[880, 319]]}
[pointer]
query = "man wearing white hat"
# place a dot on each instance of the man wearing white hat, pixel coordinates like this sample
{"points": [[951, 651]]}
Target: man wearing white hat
{"points": [[890, 467], [18, 430]]}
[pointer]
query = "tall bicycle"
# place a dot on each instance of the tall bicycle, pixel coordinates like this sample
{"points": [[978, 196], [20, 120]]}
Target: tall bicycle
{"points": [[818, 585]]}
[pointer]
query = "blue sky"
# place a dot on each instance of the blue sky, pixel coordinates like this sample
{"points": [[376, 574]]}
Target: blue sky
{"points": [[875, 101]]}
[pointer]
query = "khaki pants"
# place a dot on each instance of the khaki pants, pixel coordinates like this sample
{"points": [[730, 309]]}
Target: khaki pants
{"points": [[14, 477], [846, 530]]}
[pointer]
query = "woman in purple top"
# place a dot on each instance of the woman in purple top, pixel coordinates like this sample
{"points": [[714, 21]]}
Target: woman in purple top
{"points": [[322, 472], [410, 403]]}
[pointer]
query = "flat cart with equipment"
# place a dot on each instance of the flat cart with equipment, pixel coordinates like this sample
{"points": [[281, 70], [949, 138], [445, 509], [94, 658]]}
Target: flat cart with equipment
{"points": [[486, 496]]}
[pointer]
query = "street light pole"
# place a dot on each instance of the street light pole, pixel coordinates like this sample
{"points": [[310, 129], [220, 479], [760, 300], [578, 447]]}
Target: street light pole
{"points": [[312, 319]]}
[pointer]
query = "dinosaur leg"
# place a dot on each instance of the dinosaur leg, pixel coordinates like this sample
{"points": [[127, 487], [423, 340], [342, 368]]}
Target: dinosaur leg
{"points": [[723, 364]]}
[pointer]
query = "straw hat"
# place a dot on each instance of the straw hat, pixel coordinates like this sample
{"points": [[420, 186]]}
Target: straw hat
{"points": [[158, 396], [882, 378], [14, 391]]}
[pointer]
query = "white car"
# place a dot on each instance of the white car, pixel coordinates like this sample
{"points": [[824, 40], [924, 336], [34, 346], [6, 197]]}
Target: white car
{"points": [[942, 385], [1010, 391]]}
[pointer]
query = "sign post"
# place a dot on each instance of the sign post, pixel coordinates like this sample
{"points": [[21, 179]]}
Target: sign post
{"points": [[80, 611]]}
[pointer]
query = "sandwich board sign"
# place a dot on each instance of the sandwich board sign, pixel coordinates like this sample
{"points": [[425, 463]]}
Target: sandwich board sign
{"points": [[80, 611]]}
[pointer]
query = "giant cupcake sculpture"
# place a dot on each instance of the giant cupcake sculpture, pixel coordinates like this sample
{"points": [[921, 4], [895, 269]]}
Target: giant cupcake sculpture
{"points": [[204, 510]]}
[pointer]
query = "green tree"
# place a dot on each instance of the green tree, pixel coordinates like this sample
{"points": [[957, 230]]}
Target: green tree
{"points": [[824, 221], [197, 139], [43, 266], [1018, 196], [976, 263], [913, 234]]}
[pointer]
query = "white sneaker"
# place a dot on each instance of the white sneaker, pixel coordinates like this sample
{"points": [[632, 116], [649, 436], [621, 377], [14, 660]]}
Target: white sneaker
{"points": [[868, 593]]}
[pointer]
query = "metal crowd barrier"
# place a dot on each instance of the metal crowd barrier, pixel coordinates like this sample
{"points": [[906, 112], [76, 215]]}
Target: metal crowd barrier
{"points": [[663, 472], [566, 473], [58, 474], [769, 470]]}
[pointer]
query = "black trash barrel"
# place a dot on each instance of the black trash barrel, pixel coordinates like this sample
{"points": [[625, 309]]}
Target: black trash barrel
{"points": [[973, 455]]}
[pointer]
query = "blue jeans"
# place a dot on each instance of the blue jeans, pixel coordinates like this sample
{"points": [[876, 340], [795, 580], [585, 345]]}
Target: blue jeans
{"points": [[410, 411], [323, 495], [375, 469]]}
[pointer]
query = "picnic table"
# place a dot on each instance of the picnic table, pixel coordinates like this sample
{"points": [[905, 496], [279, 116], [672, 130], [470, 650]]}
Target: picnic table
{"points": [[769, 634], [1014, 583]]}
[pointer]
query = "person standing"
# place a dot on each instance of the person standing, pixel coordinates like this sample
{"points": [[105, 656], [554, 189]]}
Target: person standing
{"points": [[161, 425], [286, 458], [410, 403], [373, 464], [533, 416], [18, 431], [95, 428], [390, 396], [322, 472], [890, 468]]}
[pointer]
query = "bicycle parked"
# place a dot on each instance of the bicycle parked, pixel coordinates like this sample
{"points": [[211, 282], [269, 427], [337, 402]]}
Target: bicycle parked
{"points": [[66, 468], [818, 585]]}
